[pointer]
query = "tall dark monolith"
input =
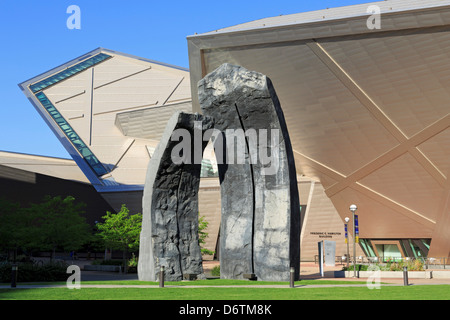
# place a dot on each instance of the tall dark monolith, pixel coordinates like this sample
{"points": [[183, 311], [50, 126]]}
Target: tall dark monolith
{"points": [[260, 222], [169, 235]]}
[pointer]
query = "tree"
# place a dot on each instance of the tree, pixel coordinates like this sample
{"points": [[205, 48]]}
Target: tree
{"points": [[53, 223], [121, 231], [59, 224], [202, 235], [12, 226]]}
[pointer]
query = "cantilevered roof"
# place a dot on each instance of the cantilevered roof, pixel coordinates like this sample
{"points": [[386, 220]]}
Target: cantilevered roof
{"points": [[338, 13], [50, 166], [82, 99]]}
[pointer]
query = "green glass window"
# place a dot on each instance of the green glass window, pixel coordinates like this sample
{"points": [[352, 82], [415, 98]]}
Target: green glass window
{"points": [[68, 72], [367, 247], [208, 170], [82, 148], [389, 252], [420, 247]]}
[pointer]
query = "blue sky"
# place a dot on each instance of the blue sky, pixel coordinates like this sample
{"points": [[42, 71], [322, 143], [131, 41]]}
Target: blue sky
{"points": [[35, 38]]}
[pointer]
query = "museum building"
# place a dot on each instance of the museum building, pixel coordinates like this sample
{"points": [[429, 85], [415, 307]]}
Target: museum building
{"points": [[366, 109]]}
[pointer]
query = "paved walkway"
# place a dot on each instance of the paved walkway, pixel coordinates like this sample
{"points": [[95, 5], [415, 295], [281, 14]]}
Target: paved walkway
{"points": [[311, 271], [308, 271]]}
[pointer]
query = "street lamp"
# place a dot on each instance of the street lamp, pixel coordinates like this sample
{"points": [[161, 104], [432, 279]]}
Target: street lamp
{"points": [[353, 208], [347, 219]]}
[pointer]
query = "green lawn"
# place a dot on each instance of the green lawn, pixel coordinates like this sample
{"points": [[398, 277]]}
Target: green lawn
{"points": [[220, 282], [208, 282], [418, 292], [345, 293]]}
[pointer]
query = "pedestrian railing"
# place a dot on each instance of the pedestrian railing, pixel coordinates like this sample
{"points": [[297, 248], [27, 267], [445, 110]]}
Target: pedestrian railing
{"points": [[428, 263]]}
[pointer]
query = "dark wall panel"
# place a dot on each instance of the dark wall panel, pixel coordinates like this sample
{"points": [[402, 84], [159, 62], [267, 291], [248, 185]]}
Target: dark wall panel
{"points": [[28, 187]]}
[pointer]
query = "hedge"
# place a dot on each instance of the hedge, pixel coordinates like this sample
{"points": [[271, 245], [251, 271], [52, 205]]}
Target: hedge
{"points": [[31, 272]]}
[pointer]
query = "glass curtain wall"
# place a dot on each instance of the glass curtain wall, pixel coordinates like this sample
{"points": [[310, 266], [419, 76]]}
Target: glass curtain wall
{"points": [[395, 249]]}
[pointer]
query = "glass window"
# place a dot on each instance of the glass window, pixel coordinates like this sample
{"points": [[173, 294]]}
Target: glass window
{"points": [[367, 248], [415, 249], [82, 148], [420, 247], [76, 141], [388, 252], [68, 72], [391, 252], [208, 169]]}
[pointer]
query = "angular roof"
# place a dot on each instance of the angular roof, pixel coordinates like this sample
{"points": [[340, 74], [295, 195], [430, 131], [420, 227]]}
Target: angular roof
{"points": [[84, 100], [50, 166], [329, 14], [367, 110]]}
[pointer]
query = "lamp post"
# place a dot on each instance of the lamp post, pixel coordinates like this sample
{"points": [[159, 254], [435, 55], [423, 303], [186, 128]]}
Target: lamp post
{"points": [[347, 219], [353, 208]]}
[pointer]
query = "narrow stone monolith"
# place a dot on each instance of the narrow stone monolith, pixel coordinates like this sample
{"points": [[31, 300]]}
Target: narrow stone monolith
{"points": [[169, 235], [260, 223]]}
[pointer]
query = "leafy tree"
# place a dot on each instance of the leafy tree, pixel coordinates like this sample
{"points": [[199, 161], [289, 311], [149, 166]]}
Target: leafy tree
{"points": [[121, 231], [12, 225], [51, 224], [202, 234], [59, 224]]}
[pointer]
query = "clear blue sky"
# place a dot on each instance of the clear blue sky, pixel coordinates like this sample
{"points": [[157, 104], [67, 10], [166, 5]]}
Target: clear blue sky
{"points": [[34, 38]]}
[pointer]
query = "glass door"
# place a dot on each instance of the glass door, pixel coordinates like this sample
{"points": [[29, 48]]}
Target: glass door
{"points": [[388, 251]]}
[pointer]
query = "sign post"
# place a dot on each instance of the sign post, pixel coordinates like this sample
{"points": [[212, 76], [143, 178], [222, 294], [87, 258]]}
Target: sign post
{"points": [[320, 243], [330, 253], [353, 209], [347, 258]]}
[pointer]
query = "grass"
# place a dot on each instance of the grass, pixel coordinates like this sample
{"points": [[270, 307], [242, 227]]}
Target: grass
{"points": [[422, 292], [221, 282], [208, 282], [435, 292]]}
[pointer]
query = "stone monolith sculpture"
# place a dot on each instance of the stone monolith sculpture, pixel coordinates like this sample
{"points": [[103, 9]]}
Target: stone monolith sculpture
{"points": [[260, 222], [169, 234]]}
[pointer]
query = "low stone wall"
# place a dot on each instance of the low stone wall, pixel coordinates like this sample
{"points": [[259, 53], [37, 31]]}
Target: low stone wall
{"points": [[440, 274], [428, 274]]}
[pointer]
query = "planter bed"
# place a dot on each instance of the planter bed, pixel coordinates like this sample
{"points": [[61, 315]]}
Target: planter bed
{"points": [[428, 274]]}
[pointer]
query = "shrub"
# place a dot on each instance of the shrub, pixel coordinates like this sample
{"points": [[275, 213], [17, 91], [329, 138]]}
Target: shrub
{"points": [[32, 272], [415, 265], [110, 262], [215, 271], [412, 265], [359, 267]]}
